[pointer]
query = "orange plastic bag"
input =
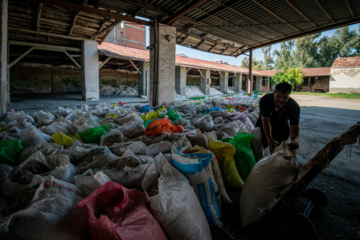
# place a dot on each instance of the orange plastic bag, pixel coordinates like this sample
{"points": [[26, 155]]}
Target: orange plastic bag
{"points": [[159, 126]]}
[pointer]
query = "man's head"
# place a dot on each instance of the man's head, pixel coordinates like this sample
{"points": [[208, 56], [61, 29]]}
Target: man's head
{"points": [[282, 93]]}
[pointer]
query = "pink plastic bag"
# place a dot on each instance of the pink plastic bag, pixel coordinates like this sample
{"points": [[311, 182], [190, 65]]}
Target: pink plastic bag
{"points": [[116, 212]]}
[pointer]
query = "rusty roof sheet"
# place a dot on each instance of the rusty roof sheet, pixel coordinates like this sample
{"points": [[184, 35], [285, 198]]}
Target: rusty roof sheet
{"points": [[346, 62], [118, 51], [325, 71]]}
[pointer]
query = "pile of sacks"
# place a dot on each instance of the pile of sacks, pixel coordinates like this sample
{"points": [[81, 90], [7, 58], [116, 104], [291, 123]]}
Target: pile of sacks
{"points": [[129, 172]]}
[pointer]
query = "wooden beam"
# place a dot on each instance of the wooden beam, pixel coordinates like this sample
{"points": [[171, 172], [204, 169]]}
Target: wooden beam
{"points": [[349, 7], [20, 57], [224, 50], [202, 75], [300, 13], [104, 62], [45, 34], [104, 13], [324, 11], [202, 41], [72, 59], [132, 63], [39, 16], [185, 38], [109, 28], [146, 6], [231, 24], [183, 12], [73, 22], [263, 7], [46, 47], [212, 48], [248, 18]]}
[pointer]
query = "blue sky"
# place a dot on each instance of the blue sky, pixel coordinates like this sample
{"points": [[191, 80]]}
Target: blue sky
{"points": [[257, 54]]}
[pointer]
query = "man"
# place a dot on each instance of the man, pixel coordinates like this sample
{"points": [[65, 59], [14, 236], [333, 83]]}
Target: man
{"points": [[277, 110]]}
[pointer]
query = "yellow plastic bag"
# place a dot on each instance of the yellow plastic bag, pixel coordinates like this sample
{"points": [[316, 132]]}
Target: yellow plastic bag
{"points": [[77, 137], [150, 115], [111, 115], [161, 110], [63, 139], [224, 152]]}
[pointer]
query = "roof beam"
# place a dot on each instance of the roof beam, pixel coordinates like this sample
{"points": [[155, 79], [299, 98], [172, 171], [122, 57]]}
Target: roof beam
{"points": [[349, 7], [324, 11], [46, 34], [147, 6], [219, 29], [248, 18], [188, 9], [300, 13], [233, 25], [73, 22], [109, 28], [212, 48], [185, 38], [201, 42], [224, 50], [104, 13], [263, 7], [46, 47], [39, 16]]}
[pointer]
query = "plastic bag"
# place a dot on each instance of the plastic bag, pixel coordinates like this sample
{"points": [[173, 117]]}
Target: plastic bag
{"points": [[257, 144], [63, 140], [244, 156], [33, 136], [173, 202], [10, 151], [149, 116], [93, 135], [171, 114], [146, 108], [89, 182], [62, 167], [268, 177], [116, 212], [157, 127], [197, 168], [224, 152]]}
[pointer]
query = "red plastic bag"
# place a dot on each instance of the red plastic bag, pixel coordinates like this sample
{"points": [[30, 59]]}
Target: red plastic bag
{"points": [[159, 126], [116, 212]]}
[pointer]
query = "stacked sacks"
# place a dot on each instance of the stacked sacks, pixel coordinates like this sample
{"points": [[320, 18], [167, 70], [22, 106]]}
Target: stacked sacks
{"points": [[90, 147]]}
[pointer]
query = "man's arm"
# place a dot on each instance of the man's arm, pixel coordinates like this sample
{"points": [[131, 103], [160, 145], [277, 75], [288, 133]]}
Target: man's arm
{"points": [[294, 136], [267, 131]]}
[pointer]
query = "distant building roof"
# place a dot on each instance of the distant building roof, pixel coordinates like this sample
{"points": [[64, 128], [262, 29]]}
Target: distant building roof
{"points": [[346, 62], [118, 51], [309, 72]]}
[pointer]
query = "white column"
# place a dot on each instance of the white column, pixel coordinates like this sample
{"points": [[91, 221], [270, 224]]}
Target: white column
{"points": [[90, 71], [205, 81], [144, 79], [238, 82], [258, 83], [162, 64], [224, 79], [180, 80], [4, 90]]}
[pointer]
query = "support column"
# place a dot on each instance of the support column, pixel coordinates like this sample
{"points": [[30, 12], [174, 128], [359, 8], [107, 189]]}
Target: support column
{"points": [[90, 71], [238, 82], [180, 80], [268, 84], [250, 79], [205, 81], [258, 83], [144, 79], [5, 95], [224, 82], [162, 64]]}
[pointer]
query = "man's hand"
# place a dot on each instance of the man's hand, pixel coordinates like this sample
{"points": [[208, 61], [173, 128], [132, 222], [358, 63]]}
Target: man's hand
{"points": [[272, 144], [294, 144]]}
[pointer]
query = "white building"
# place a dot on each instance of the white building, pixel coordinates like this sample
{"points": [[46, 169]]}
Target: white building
{"points": [[345, 75]]}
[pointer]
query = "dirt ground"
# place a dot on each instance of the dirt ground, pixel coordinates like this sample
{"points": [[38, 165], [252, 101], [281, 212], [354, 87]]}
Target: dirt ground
{"points": [[322, 119]]}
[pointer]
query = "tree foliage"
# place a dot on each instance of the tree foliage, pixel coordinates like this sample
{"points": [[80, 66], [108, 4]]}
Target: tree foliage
{"points": [[294, 76]]}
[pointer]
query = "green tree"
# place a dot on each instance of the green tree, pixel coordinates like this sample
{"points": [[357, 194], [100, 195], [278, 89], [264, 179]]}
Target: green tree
{"points": [[294, 76], [284, 57], [306, 51], [245, 62], [256, 65], [268, 60]]}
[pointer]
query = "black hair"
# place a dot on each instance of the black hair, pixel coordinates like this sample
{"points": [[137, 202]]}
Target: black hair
{"points": [[283, 87]]}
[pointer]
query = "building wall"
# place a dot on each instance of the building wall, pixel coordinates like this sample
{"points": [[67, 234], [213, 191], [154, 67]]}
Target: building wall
{"points": [[345, 80], [128, 34], [314, 84], [35, 78]]}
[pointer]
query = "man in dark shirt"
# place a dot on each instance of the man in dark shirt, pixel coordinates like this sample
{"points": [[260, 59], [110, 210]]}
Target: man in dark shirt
{"points": [[277, 110]]}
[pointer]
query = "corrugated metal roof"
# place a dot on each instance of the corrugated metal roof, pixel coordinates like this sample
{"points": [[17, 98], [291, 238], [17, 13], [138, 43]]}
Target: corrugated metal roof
{"points": [[346, 62], [118, 51], [325, 71]]}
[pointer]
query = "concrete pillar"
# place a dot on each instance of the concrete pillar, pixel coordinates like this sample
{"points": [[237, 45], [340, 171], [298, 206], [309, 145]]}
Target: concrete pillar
{"points": [[90, 71], [180, 80], [224, 79], [144, 79], [162, 64], [205, 81], [258, 83], [5, 95], [268, 84], [238, 82]]}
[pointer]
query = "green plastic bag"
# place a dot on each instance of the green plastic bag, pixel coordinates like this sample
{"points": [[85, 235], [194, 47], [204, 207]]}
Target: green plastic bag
{"points": [[147, 123], [172, 115], [9, 151], [93, 135], [244, 156]]}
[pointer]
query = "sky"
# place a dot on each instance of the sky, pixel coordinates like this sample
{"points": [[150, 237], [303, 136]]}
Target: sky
{"points": [[257, 54]]}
